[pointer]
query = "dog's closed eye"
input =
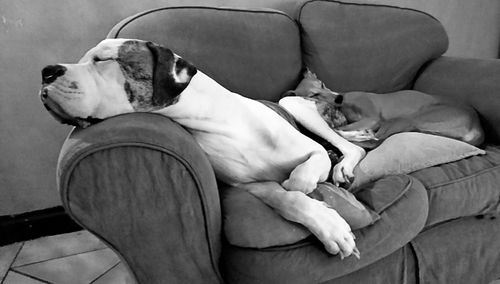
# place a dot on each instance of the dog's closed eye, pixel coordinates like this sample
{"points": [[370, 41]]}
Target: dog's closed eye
{"points": [[100, 59]]}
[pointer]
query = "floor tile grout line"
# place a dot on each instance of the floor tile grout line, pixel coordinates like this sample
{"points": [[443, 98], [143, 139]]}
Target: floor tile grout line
{"points": [[30, 276], [113, 266], [54, 258], [12, 262]]}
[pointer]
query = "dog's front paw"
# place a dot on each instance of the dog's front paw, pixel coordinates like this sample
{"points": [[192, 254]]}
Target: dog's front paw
{"points": [[343, 171], [333, 231]]}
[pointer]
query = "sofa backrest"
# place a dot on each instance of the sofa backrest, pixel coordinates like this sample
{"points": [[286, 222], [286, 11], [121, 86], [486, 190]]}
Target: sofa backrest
{"points": [[259, 52], [254, 52], [365, 47]]}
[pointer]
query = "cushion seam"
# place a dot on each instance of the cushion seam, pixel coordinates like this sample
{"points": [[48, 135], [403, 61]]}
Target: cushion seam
{"points": [[151, 11], [418, 255], [397, 197], [365, 4], [473, 175]]}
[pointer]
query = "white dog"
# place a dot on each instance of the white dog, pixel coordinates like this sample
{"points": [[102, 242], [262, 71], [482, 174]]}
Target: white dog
{"points": [[248, 144]]}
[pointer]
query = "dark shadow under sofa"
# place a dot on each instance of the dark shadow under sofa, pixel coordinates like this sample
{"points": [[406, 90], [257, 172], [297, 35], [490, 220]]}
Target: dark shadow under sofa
{"points": [[141, 183]]}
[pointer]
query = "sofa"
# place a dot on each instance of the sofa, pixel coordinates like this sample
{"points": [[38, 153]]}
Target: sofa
{"points": [[142, 185]]}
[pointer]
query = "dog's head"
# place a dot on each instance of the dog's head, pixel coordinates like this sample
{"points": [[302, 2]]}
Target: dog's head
{"points": [[117, 76], [312, 87]]}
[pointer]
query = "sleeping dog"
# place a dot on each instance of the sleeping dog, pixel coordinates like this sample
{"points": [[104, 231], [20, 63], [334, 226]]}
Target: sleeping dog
{"points": [[367, 119], [248, 144]]}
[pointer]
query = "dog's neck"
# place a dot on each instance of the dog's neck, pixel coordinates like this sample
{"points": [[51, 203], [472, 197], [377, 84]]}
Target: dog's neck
{"points": [[204, 105]]}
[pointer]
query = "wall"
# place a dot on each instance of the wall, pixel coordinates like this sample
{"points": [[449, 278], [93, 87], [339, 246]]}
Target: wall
{"points": [[36, 33], [32, 35]]}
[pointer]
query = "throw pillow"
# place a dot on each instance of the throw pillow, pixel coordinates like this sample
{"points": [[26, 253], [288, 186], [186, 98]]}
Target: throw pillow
{"points": [[407, 152]]}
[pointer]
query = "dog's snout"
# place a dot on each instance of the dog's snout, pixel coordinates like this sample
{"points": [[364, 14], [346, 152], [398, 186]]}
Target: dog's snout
{"points": [[339, 99], [52, 72]]}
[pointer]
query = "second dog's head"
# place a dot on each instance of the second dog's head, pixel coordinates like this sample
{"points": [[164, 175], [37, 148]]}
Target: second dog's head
{"points": [[312, 87], [116, 76]]}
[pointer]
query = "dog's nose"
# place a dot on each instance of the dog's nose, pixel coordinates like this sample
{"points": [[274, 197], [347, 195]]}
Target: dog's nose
{"points": [[51, 72], [339, 99]]}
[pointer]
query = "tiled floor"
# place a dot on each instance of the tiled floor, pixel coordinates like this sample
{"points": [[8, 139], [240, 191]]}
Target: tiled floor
{"points": [[69, 258]]}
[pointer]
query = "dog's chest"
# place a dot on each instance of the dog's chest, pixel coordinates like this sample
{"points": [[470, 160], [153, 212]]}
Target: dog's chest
{"points": [[239, 154], [244, 140]]}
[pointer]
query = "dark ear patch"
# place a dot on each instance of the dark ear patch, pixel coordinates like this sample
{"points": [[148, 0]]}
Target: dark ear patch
{"points": [[182, 65], [165, 89]]}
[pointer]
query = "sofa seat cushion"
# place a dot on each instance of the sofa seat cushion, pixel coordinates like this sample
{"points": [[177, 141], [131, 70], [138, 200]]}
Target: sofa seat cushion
{"points": [[463, 188], [464, 250], [367, 47], [308, 261], [248, 222]]}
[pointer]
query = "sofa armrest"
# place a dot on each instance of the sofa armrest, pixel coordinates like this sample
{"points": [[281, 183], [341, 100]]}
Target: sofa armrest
{"points": [[473, 81], [143, 185]]}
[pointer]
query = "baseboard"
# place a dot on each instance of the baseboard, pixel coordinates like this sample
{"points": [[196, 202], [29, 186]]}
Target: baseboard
{"points": [[35, 224]]}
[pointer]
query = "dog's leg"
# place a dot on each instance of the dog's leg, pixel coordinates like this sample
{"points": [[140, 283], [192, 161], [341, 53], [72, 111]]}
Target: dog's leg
{"points": [[362, 130], [306, 176], [325, 223], [306, 113], [394, 125], [365, 123]]}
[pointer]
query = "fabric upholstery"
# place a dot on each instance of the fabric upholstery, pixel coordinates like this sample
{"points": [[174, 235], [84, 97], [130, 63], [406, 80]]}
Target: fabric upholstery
{"points": [[471, 80], [307, 261], [354, 47], [461, 251], [466, 187], [142, 184], [248, 222], [398, 267], [406, 152], [255, 53]]}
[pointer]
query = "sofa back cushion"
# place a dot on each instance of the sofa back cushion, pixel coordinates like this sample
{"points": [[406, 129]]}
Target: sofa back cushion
{"points": [[366, 47], [252, 52]]}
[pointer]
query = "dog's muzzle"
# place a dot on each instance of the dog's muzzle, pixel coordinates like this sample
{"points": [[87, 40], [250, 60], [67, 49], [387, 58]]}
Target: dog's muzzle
{"points": [[61, 115], [49, 74], [55, 110]]}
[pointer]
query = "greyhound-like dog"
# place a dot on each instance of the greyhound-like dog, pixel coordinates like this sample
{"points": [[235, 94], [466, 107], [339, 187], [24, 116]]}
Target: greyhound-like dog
{"points": [[366, 119], [248, 144]]}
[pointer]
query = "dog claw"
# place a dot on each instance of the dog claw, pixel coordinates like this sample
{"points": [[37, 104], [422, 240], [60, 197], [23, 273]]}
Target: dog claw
{"points": [[356, 253]]}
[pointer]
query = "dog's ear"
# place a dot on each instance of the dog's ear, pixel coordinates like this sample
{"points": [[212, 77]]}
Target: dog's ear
{"points": [[309, 74], [171, 75]]}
